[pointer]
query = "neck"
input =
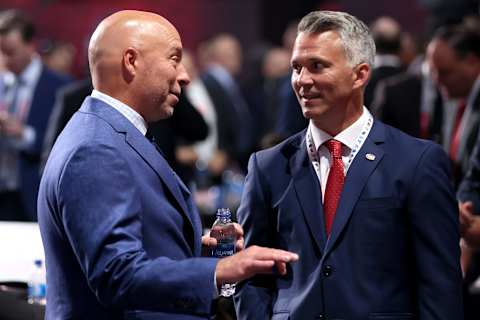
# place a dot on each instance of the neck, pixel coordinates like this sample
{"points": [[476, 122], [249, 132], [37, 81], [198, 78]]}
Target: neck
{"points": [[336, 123]]}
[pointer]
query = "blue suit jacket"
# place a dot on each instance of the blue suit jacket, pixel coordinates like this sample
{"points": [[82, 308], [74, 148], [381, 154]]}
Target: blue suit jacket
{"points": [[393, 251], [29, 160], [121, 234]]}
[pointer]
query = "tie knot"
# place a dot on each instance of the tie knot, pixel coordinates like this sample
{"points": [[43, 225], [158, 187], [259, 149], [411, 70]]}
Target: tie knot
{"points": [[334, 147]]}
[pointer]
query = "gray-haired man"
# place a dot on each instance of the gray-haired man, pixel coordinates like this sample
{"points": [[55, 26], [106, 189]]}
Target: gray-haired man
{"points": [[369, 209]]}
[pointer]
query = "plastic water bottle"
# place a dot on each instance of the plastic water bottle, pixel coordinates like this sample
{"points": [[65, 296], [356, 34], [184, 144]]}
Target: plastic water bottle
{"points": [[37, 284], [224, 231]]}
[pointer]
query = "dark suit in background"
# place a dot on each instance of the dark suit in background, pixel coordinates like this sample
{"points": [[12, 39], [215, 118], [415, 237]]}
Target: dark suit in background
{"points": [[401, 101], [378, 74], [40, 110], [236, 134]]}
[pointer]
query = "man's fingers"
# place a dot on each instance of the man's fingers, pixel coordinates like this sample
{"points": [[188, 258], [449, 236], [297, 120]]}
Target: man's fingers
{"points": [[468, 207], [276, 255], [238, 230], [208, 241], [263, 266], [281, 268], [240, 244]]}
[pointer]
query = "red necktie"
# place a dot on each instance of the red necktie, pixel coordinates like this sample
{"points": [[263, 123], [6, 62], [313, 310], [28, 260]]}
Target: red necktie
{"points": [[455, 140], [335, 181]]}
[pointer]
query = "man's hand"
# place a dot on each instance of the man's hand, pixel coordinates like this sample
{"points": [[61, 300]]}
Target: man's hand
{"points": [[469, 224], [10, 126], [251, 261], [209, 242]]}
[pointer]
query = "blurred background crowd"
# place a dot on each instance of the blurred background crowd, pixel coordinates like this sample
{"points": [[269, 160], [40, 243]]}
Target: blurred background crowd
{"points": [[425, 82]]}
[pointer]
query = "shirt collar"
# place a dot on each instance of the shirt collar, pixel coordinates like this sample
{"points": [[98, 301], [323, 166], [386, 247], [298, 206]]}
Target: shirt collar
{"points": [[31, 73], [133, 116], [347, 137]]}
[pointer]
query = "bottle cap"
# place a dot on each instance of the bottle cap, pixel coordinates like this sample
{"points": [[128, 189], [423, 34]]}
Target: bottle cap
{"points": [[224, 213]]}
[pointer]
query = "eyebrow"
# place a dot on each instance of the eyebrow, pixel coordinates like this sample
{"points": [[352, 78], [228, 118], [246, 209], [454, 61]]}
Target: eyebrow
{"points": [[312, 60], [176, 51]]}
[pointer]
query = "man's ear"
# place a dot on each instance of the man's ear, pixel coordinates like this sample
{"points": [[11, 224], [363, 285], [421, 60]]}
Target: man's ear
{"points": [[361, 75], [130, 63]]}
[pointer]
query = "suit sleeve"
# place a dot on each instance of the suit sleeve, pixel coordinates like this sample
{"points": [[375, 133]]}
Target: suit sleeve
{"points": [[253, 298], [101, 212], [435, 238]]}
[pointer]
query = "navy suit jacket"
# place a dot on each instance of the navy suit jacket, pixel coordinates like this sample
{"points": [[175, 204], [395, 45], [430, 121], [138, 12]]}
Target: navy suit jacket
{"points": [[121, 234], [29, 159], [393, 251]]}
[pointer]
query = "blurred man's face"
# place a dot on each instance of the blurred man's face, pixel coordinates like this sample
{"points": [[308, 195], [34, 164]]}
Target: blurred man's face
{"points": [[17, 53], [229, 54], [455, 75]]}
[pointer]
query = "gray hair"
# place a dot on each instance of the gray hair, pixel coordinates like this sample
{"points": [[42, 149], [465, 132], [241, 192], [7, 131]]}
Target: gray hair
{"points": [[356, 37]]}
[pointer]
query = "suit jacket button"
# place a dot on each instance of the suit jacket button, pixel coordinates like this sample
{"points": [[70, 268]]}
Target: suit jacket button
{"points": [[327, 270], [321, 316]]}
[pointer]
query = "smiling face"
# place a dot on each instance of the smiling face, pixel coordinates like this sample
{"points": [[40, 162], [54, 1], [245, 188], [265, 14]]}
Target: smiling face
{"points": [[136, 57], [161, 74], [328, 88]]}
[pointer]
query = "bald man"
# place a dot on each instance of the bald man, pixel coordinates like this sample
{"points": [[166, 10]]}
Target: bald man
{"points": [[121, 234]]}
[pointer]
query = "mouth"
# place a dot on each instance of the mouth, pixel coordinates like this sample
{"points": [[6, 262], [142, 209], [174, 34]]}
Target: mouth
{"points": [[176, 97], [308, 98]]}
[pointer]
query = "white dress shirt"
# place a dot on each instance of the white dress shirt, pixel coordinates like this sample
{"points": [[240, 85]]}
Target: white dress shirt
{"points": [[133, 116], [347, 137]]}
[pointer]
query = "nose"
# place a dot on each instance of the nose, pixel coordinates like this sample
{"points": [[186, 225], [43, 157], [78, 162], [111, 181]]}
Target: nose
{"points": [[182, 77]]}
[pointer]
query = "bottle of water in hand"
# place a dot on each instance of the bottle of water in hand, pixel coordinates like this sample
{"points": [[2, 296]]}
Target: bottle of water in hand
{"points": [[224, 231]]}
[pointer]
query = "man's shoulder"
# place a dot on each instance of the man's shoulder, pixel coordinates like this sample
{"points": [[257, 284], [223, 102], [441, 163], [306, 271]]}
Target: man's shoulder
{"points": [[405, 144], [283, 150]]}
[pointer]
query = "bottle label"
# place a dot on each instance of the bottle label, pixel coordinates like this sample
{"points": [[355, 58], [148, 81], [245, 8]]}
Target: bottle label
{"points": [[37, 290], [224, 250]]}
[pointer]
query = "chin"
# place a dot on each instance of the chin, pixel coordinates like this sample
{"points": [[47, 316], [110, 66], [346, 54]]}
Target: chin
{"points": [[167, 112], [311, 112]]}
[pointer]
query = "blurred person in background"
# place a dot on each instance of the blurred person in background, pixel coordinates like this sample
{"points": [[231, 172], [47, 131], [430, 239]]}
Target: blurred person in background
{"points": [[454, 58], [235, 121], [469, 205], [289, 119], [410, 101], [201, 153], [263, 93], [58, 56], [387, 35], [453, 55], [25, 106]]}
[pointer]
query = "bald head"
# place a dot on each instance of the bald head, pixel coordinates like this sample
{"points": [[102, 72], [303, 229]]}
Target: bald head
{"points": [[131, 54], [118, 32]]}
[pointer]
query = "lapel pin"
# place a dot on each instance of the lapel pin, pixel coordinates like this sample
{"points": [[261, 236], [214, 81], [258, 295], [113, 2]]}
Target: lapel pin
{"points": [[370, 156]]}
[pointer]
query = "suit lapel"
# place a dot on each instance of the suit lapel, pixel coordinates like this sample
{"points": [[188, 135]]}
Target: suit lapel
{"points": [[308, 192], [147, 151], [356, 179]]}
